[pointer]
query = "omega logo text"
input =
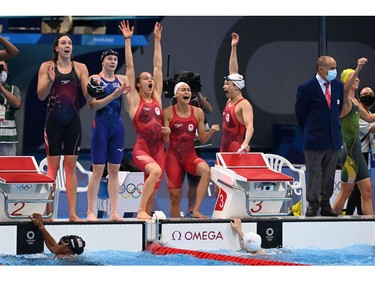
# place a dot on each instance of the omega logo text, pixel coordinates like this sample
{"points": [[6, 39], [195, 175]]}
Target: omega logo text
{"points": [[200, 235]]}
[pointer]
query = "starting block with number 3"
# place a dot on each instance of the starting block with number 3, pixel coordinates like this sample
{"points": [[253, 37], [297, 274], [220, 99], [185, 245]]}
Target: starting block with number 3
{"points": [[249, 187], [24, 190]]}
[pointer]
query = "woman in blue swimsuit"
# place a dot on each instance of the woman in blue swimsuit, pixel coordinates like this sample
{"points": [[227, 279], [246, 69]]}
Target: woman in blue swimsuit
{"points": [[108, 132]]}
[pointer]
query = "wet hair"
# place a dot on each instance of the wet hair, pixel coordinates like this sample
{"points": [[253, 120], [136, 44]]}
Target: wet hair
{"points": [[55, 54]]}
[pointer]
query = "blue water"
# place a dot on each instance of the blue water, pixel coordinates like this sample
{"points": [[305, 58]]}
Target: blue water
{"points": [[355, 255]]}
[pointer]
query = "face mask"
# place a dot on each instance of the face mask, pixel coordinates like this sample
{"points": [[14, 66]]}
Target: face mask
{"points": [[3, 77], [367, 100], [331, 74]]}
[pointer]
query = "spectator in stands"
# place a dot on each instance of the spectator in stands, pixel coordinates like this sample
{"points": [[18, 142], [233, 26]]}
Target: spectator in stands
{"points": [[67, 245], [9, 51], [10, 102], [59, 80]]}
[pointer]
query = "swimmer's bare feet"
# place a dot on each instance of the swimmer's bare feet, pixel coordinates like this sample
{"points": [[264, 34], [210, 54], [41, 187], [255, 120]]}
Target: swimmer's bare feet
{"points": [[143, 215], [115, 217], [74, 218], [197, 214], [91, 217]]}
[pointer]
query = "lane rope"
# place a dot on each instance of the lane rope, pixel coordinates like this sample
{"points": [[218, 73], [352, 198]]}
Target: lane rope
{"points": [[158, 249]]}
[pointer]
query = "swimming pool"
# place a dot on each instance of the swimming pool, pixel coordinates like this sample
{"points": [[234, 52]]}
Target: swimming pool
{"points": [[354, 260], [355, 255]]}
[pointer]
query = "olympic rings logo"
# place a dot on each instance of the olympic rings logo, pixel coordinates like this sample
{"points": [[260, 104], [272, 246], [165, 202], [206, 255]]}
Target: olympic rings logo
{"points": [[24, 187], [131, 189]]}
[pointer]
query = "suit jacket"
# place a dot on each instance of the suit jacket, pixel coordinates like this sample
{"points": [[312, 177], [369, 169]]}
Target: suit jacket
{"points": [[320, 125]]}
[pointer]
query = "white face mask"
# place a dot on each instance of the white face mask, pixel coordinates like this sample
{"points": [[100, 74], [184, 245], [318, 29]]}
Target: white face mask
{"points": [[3, 76]]}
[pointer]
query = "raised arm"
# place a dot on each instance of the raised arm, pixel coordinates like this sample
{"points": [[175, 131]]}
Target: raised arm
{"points": [[348, 91], [158, 63], [351, 79], [233, 62], [133, 97], [127, 32], [237, 227], [10, 50], [51, 244]]}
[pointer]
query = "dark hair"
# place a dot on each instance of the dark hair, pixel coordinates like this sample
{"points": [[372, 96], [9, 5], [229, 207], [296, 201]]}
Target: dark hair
{"points": [[55, 54], [4, 63], [360, 89]]}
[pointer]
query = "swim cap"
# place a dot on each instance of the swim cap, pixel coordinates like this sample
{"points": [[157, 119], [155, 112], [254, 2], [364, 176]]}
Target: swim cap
{"points": [[108, 52], [236, 79], [252, 241], [345, 74], [178, 85], [75, 243]]}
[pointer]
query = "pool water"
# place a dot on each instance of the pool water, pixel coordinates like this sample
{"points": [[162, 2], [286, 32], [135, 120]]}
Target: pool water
{"points": [[355, 255]]}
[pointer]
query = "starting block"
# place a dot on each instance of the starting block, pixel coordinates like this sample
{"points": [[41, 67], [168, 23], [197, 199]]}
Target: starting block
{"points": [[249, 187], [24, 189]]}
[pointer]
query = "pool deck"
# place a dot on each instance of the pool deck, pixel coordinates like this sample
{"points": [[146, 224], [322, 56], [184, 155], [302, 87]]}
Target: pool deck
{"points": [[21, 237]]}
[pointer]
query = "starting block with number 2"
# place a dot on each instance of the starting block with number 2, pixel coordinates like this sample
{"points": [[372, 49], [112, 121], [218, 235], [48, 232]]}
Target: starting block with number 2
{"points": [[24, 190]]}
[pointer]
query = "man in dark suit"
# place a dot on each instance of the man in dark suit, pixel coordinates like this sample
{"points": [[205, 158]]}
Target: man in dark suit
{"points": [[318, 107]]}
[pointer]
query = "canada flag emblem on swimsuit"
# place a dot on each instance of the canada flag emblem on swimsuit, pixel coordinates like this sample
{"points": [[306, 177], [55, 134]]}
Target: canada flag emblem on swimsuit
{"points": [[227, 117], [191, 127], [157, 111]]}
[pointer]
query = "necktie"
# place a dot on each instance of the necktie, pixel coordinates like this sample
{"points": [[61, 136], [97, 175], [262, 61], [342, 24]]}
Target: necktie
{"points": [[327, 94]]}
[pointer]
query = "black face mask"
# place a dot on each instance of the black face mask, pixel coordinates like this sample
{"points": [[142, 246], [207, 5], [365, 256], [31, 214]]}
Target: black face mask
{"points": [[367, 100]]}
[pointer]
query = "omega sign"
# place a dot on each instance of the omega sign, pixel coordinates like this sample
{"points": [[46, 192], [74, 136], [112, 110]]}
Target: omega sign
{"points": [[197, 235]]}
